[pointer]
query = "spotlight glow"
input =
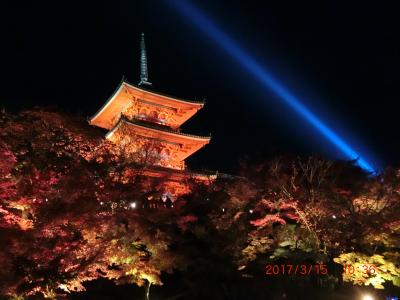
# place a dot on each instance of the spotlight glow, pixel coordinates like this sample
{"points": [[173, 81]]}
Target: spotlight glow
{"points": [[210, 28], [367, 297]]}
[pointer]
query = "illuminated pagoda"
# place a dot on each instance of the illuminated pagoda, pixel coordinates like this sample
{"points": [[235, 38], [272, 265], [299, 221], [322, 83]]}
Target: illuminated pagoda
{"points": [[146, 125]]}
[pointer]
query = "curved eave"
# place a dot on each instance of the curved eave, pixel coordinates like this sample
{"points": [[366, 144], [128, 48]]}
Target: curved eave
{"points": [[184, 136], [165, 96], [95, 120], [178, 175], [107, 103]]}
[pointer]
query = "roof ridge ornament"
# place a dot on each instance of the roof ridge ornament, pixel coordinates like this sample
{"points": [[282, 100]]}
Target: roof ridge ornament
{"points": [[144, 75]]}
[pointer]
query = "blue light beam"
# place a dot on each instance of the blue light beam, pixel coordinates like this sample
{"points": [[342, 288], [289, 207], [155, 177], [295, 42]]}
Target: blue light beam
{"points": [[264, 76]]}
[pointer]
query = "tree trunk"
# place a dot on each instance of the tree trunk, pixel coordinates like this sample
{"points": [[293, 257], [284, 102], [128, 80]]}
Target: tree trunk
{"points": [[147, 295]]}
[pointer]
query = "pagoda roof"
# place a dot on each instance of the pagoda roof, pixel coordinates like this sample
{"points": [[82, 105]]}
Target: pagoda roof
{"points": [[108, 115], [190, 142], [184, 100], [156, 127], [174, 174]]}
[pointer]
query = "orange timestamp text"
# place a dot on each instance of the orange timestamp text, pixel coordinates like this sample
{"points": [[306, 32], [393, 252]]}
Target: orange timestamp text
{"points": [[366, 269], [289, 269]]}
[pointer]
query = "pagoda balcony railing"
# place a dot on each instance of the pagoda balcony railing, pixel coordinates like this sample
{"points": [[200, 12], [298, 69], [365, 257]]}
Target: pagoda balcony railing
{"points": [[150, 119], [162, 128]]}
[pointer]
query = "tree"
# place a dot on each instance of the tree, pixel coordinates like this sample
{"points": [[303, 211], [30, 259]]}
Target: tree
{"points": [[65, 210], [70, 213]]}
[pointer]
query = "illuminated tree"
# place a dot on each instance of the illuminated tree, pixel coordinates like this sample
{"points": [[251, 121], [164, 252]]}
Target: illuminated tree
{"points": [[66, 214], [375, 270], [322, 210], [71, 212]]}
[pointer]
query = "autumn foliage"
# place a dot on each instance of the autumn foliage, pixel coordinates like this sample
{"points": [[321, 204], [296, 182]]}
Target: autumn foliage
{"points": [[66, 215]]}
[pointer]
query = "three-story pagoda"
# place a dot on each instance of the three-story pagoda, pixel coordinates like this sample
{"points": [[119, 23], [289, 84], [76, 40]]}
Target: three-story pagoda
{"points": [[146, 125]]}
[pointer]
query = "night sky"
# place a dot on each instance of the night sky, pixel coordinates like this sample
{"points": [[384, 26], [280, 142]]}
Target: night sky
{"points": [[341, 59]]}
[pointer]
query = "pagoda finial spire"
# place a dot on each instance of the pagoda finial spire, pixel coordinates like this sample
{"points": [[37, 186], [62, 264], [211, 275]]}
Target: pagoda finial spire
{"points": [[144, 75]]}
